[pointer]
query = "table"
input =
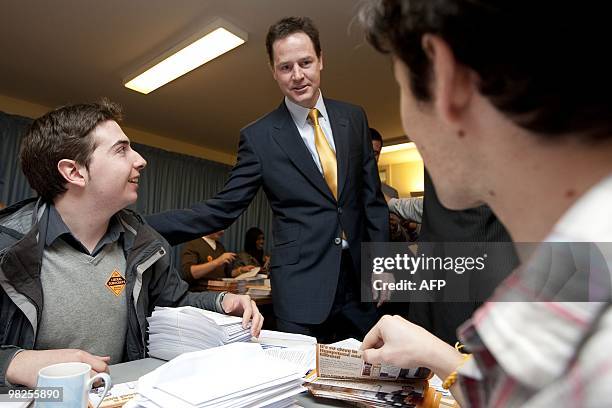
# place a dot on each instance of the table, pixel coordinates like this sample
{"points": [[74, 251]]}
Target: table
{"points": [[132, 370]]}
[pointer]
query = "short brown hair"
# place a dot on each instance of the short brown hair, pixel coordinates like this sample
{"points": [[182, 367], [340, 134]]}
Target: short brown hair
{"points": [[540, 68], [63, 133], [291, 25]]}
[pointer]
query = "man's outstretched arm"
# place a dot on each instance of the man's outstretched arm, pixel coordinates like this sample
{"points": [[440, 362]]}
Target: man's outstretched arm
{"points": [[219, 212]]}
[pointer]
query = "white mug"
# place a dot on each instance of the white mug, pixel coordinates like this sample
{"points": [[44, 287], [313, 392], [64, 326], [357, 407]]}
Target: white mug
{"points": [[75, 381]]}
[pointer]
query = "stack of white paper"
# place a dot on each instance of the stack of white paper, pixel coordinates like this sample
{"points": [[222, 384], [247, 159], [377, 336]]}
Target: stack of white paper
{"points": [[272, 338], [174, 331], [234, 375], [296, 348]]}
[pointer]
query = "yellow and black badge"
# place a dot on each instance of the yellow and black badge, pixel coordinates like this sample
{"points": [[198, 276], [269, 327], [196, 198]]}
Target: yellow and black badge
{"points": [[116, 283]]}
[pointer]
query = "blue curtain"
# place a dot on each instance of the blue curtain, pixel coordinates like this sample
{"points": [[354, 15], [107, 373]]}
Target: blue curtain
{"points": [[13, 184], [170, 180]]}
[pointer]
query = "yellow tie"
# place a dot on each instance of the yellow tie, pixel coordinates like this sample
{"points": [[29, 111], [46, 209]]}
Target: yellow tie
{"points": [[326, 154]]}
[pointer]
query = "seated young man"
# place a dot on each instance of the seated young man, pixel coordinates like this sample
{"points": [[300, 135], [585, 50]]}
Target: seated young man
{"points": [[79, 274]]}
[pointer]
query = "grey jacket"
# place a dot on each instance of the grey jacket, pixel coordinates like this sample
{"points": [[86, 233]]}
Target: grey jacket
{"points": [[410, 208], [151, 280]]}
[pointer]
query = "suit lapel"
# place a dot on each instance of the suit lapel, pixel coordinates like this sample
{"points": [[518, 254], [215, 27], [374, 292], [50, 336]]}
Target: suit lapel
{"points": [[340, 130], [286, 134]]}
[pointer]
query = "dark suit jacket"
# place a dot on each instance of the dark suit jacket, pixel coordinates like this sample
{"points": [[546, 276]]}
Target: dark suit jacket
{"points": [[308, 221]]}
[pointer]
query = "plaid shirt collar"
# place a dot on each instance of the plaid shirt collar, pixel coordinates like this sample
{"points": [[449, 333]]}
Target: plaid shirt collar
{"points": [[534, 343]]}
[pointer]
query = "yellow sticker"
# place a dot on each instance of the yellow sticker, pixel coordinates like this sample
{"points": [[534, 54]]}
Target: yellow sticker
{"points": [[116, 283]]}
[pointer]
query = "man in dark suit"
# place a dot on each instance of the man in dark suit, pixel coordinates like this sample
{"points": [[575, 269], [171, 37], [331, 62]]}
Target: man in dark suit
{"points": [[313, 157]]}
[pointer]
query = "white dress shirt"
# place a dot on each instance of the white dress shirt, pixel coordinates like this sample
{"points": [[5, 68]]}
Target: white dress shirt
{"points": [[299, 114], [211, 242]]}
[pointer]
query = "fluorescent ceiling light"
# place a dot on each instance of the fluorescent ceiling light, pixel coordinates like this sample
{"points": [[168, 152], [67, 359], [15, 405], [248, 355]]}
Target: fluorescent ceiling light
{"points": [[398, 147], [188, 56]]}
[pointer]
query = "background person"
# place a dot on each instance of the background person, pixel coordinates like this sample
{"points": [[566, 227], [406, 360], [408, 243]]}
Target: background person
{"points": [[253, 254], [204, 259], [377, 145]]}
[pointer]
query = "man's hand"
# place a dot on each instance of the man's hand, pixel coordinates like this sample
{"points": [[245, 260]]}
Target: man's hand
{"points": [[225, 258], [242, 305], [266, 265], [245, 268], [23, 369], [241, 269], [382, 295], [394, 340]]}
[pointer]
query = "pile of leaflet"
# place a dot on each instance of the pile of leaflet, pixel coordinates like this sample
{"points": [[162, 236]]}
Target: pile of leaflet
{"points": [[341, 374], [227, 285], [235, 375], [177, 330], [258, 291]]}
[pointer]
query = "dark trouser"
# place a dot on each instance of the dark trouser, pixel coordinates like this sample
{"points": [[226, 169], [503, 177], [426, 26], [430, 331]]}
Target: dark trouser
{"points": [[348, 316]]}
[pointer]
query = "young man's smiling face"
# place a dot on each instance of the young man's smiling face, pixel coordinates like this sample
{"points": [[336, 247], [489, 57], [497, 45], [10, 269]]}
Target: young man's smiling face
{"points": [[297, 68], [114, 169]]}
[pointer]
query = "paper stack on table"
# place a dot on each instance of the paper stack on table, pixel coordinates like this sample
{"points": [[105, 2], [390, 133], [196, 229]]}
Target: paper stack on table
{"points": [[296, 348], [177, 330], [227, 285], [258, 291], [234, 375]]}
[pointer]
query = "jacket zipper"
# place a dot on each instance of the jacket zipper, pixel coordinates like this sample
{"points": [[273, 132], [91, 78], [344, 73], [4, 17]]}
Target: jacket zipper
{"points": [[140, 269]]}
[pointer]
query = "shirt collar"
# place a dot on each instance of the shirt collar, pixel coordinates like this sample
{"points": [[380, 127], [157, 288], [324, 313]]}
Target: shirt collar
{"points": [[211, 242], [524, 335], [588, 219], [56, 228], [300, 113]]}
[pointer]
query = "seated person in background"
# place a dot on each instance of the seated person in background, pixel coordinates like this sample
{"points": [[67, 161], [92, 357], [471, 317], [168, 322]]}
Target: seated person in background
{"points": [[99, 268], [204, 259], [397, 233], [253, 254], [409, 208]]}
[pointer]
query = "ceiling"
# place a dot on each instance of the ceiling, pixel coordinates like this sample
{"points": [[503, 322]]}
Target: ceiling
{"points": [[62, 51]]}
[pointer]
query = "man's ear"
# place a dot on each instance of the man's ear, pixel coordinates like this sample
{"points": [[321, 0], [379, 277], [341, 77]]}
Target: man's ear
{"points": [[72, 172], [321, 61], [453, 84]]}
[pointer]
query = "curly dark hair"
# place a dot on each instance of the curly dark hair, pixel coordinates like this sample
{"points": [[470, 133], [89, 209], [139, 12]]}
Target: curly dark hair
{"points": [[250, 244], [291, 25], [63, 133], [537, 61]]}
